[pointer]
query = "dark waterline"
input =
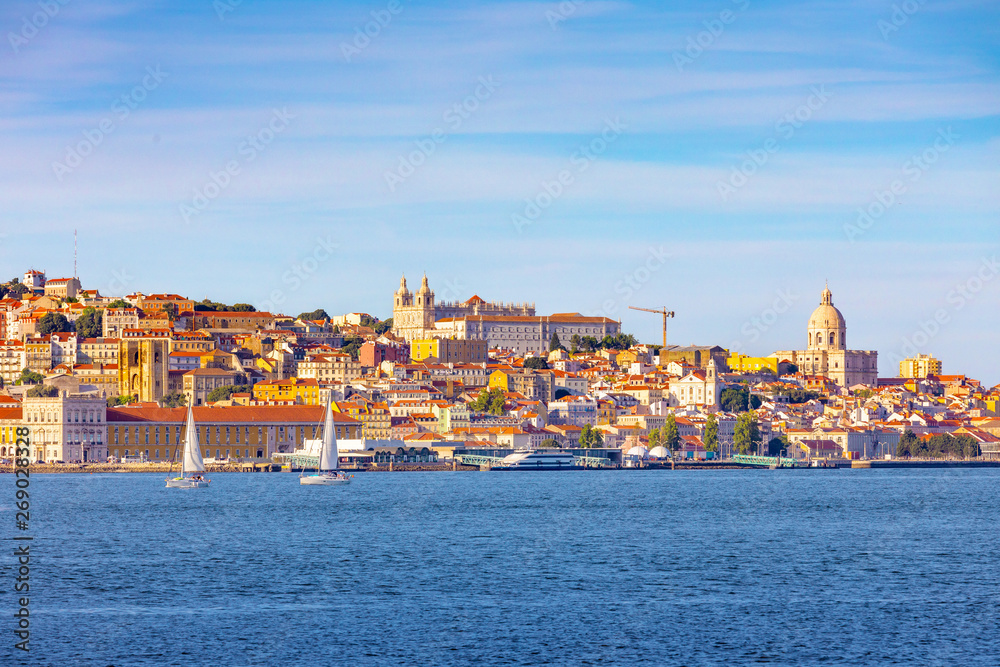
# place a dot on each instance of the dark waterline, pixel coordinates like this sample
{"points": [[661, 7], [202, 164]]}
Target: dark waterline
{"points": [[611, 568]]}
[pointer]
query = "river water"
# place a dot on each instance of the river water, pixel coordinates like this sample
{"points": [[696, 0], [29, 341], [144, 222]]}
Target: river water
{"points": [[612, 568]]}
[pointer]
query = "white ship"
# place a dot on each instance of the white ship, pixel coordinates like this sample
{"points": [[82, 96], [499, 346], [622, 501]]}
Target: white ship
{"points": [[539, 459]]}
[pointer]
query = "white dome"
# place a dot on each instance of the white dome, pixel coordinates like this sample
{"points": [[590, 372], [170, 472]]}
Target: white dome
{"points": [[659, 452], [639, 451]]}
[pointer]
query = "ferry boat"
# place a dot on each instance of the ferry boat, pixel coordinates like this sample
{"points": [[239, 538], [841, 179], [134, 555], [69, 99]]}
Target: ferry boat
{"points": [[539, 459]]}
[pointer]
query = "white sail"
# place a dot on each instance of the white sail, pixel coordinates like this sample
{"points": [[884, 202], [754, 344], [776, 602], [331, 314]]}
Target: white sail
{"points": [[328, 454], [192, 450]]}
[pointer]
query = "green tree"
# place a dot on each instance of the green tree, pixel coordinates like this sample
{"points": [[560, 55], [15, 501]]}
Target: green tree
{"points": [[738, 399], [42, 391], [590, 437], [490, 400], [89, 324], [225, 393], [385, 326], [711, 435], [352, 346], [908, 444], [53, 323], [29, 377], [537, 363], [746, 437], [574, 343], [776, 445], [243, 308], [588, 343], [654, 438], [550, 443], [670, 435], [791, 369], [177, 399], [554, 343], [122, 399], [120, 303], [318, 314]]}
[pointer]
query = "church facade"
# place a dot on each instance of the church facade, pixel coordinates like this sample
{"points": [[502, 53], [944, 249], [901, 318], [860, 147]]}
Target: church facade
{"points": [[416, 316], [826, 350], [414, 313]]}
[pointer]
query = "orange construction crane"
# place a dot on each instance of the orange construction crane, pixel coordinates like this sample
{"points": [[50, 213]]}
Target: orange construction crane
{"points": [[662, 311]]}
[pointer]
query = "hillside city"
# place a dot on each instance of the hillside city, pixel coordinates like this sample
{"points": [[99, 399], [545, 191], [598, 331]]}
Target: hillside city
{"points": [[98, 378]]}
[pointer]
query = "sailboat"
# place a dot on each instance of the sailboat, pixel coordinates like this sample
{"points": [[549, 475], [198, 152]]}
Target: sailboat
{"points": [[192, 464], [328, 474]]}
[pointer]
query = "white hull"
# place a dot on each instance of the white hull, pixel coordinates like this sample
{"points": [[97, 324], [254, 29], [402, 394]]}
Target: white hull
{"points": [[324, 480], [187, 483]]}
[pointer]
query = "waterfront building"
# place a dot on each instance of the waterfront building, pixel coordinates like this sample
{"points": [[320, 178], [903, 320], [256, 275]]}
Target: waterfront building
{"points": [[68, 427], [225, 432], [826, 352]]}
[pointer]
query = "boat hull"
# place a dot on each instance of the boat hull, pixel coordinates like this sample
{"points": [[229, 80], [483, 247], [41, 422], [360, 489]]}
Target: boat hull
{"points": [[323, 480], [187, 483], [538, 468]]}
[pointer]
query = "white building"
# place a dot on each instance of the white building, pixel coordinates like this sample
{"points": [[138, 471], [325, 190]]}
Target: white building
{"points": [[68, 427]]}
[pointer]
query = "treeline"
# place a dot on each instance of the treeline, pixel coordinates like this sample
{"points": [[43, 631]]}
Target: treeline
{"points": [[939, 446]]}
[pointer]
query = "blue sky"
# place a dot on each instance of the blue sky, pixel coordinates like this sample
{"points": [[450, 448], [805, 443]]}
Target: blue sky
{"points": [[714, 156]]}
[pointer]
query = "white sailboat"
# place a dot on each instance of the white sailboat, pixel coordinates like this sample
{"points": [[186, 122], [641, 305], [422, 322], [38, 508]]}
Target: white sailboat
{"points": [[328, 474], [192, 464]]}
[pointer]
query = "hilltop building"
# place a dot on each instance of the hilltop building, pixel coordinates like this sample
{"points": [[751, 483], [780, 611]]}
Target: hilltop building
{"points": [[414, 314], [503, 325], [826, 351], [919, 366]]}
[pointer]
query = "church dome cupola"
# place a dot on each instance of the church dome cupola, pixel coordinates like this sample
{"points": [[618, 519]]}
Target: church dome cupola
{"points": [[827, 327]]}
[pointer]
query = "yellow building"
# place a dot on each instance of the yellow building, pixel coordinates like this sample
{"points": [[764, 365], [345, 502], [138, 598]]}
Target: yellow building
{"points": [[143, 370], [238, 431], [449, 350], [294, 390], [535, 385], [919, 366], [741, 363]]}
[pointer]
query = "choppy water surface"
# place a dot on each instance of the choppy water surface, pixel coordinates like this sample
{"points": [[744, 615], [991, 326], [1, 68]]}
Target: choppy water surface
{"points": [[624, 567]]}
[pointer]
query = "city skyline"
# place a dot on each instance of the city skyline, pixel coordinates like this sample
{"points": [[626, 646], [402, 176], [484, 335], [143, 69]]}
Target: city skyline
{"points": [[653, 113]]}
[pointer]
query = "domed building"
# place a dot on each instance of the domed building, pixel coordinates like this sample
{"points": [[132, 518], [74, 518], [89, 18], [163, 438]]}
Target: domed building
{"points": [[826, 350]]}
